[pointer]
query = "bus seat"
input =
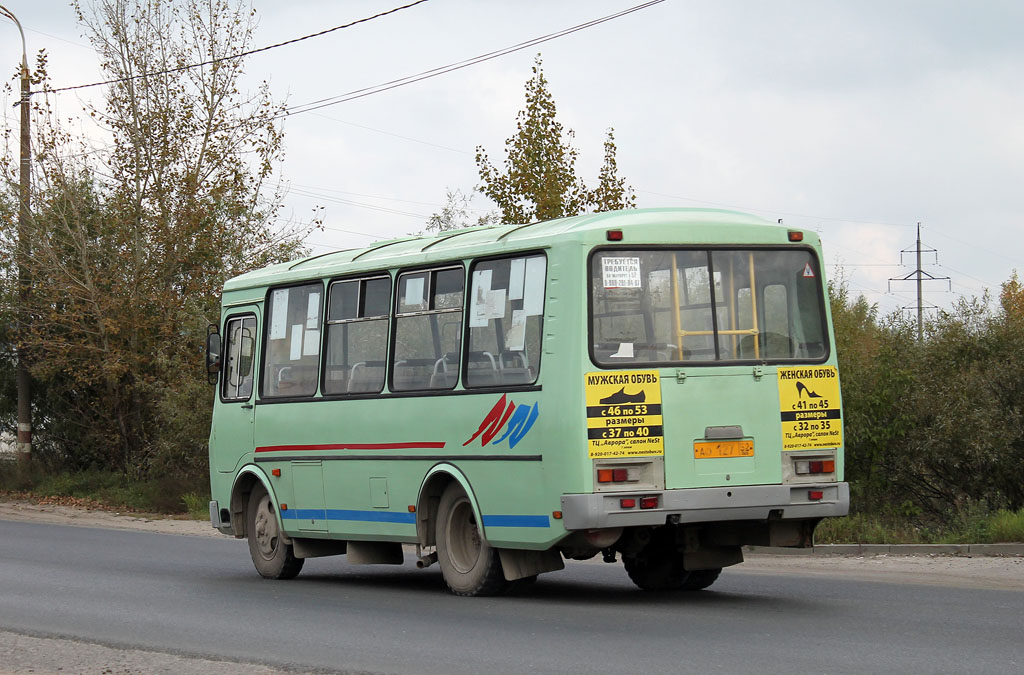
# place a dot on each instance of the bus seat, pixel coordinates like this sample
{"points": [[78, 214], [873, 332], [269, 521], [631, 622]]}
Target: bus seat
{"points": [[482, 369], [411, 375], [515, 369], [335, 379], [444, 377], [366, 377], [296, 379]]}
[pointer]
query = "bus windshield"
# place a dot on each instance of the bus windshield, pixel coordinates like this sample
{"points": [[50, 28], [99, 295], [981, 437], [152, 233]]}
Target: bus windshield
{"points": [[706, 305]]}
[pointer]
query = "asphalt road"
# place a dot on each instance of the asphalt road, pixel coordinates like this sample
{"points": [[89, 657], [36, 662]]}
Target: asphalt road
{"points": [[201, 596]]}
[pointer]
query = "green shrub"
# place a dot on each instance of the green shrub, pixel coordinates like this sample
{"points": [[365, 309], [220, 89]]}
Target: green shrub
{"points": [[1006, 526]]}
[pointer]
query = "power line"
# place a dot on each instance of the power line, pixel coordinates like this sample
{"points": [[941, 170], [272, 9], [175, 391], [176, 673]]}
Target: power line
{"points": [[232, 57], [441, 70], [394, 135], [349, 202], [393, 84]]}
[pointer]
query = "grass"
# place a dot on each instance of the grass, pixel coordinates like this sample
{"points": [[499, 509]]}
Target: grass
{"points": [[1007, 526], [106, 490], [974, 528]]}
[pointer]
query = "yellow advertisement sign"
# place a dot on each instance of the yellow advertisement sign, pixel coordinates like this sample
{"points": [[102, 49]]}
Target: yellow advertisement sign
{"points": [[624, 414], [809, 405]]}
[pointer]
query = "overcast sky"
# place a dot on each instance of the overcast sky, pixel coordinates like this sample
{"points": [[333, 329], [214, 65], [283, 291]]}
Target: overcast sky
{"points": [[857, 119]]}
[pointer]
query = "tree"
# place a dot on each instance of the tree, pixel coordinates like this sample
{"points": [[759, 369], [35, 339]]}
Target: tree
{"points": [[611, 193], [454, 215], [539, 180], [131, 246]]}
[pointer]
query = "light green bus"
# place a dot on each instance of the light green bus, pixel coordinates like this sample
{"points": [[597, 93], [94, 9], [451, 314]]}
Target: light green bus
{"points": [[657, 386]]}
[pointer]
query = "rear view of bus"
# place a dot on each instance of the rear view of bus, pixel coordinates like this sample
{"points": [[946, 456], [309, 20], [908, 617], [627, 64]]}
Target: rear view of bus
{"points": [[713, 411]]}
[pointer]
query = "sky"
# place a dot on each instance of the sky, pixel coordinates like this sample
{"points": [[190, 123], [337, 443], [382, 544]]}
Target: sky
{"points": [[858, 120]]}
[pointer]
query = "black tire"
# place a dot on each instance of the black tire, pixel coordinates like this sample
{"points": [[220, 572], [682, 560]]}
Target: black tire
{"points": [[698, 580], [273, 558], [469, 566], [657, 571]]}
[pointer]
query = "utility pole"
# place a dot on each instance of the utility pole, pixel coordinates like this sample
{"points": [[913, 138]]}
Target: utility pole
{"points": [[22, 378], [921, 276]]}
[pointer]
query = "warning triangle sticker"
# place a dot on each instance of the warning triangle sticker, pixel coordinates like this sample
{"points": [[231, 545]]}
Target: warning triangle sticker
{"points": [[808, 272]]}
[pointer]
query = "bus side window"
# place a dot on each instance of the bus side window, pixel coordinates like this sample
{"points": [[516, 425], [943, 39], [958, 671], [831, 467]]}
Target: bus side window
{"points": [[428, 329], [292, 358], [357, 335], [506, 313]]}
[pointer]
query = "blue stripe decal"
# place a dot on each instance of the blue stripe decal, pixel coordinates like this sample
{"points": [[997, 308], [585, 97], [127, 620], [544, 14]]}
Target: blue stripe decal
{"points": [[304, 514], [344, 514], [404, 518], [372, 516], [517, 521]]}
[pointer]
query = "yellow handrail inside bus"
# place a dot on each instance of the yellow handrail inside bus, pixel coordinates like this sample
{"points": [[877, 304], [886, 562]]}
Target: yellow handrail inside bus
{"points": [[753, 306], [733, 331], [677, 318]]}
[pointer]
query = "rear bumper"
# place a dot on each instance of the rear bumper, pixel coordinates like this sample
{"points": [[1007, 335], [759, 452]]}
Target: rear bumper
{"points": [[702, 505]]}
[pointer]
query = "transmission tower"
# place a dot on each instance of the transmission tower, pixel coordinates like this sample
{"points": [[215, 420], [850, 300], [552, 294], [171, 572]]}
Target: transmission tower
{"points": [[921, 276]]}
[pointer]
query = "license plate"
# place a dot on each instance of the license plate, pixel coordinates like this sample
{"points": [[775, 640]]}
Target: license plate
{"points": [[708, 449]]}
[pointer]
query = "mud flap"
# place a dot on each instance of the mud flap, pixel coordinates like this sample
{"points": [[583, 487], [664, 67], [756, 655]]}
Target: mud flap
{"points": [[712, 558], [517, 564]]}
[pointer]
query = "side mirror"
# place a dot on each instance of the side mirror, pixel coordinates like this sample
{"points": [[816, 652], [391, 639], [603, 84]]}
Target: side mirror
{"points": [[212, 353]]}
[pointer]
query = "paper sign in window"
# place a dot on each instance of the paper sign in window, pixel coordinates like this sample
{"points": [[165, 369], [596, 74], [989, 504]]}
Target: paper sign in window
{"points": [[296, 343], [495, 305], [311, 343], [516, 272], [625, 351], [279, 312], [620, 272], [413, 292], [313, 311], [515, 337], [533, 287], [481, 291]]}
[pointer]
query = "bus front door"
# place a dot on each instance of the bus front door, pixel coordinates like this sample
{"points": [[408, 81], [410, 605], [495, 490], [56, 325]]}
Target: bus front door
{"points": [[235, 413]]}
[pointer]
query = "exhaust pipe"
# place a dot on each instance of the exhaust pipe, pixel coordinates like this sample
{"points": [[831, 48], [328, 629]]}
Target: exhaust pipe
{"points": [[426, 560]]}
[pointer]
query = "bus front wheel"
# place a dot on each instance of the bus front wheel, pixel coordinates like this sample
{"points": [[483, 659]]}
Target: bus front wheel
{"points": [[273, 558], [469, 566]]}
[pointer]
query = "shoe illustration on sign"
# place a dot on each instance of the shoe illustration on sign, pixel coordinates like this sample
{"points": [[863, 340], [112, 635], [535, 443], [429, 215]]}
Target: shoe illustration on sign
{"points": [[801, 389], [622, 397]]}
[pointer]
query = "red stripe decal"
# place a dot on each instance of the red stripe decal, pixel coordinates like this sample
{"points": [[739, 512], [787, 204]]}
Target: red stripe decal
{"points": [[352, 446]]}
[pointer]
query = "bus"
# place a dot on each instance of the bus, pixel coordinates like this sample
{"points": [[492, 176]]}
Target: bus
{"points": [[656, 386]]}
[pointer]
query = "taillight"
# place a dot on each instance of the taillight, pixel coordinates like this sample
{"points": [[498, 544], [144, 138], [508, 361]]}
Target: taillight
{"points": [[627, 503], [815, 495], [613, 475], [648, 502], [812, 466]]}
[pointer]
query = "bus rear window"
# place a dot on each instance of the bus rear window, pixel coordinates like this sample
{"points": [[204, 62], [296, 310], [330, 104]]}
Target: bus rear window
{"points": [[701, 305]]}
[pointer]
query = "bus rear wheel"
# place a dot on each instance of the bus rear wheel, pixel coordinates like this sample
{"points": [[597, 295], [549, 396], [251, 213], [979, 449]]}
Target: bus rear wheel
{"points": [[698, 580], [469, 566], [273, 558], [657, 571]]}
